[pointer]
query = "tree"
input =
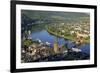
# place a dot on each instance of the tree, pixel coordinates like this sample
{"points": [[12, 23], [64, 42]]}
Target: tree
{"points": [[27, 42]]}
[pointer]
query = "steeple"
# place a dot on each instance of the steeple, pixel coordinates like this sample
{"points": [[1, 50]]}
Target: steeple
{"points": [[56, 48]]}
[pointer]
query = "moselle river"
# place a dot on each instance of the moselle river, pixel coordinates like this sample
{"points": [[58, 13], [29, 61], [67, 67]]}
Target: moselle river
{"points": [[44, 36]]}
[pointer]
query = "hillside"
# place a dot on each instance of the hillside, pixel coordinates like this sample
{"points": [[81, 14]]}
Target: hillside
{"points": [[53, 16]]}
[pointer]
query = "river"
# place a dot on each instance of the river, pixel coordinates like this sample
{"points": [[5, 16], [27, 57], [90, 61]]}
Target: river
{"points": [[44, 36]]}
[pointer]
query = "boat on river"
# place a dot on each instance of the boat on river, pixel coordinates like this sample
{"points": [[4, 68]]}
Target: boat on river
{"points": [[76, 50]]}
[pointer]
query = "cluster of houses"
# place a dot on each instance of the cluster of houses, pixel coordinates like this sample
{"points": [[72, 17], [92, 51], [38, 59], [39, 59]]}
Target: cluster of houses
{"points": [[36, 51], [76, 28]]}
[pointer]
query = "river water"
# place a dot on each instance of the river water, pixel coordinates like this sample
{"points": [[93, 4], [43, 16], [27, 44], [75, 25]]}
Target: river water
{"points": [[44, 36]]}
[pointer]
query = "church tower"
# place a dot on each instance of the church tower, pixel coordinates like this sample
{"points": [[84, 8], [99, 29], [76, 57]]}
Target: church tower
{"points": [[56, 48]]}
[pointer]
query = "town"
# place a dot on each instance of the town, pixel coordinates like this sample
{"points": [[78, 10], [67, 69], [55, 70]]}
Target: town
{"points": [[38, 51]]}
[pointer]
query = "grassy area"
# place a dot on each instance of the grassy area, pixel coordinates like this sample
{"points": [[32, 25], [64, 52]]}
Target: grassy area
{"points": [[27, 42], [59, 35], [87, 40], [68, 37]]}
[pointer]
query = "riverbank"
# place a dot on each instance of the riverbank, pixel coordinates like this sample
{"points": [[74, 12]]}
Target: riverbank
{"points": [[68, 37]]}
